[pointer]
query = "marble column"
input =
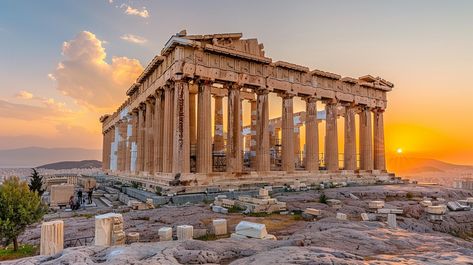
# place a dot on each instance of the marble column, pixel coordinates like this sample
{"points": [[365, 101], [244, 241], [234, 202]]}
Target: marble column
{"points": [[192, 116], [140, 140], [148, 146], [349, 153], [121, 154], [52, 237], [204, 128], [253, 126], [134, 142], [234, 137], [168, 129], [219, 142], [104, 151], [366, 140], [158, 131], [331, 136], [287, 133], [129, 124], [181, 143], [262, 131], [297, 144], [379, 151], [311, 135]]}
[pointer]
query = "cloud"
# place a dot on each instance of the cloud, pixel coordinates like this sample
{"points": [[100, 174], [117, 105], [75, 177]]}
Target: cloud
{"points": [[134, 11], [85, 76], [133, 38], [24, 95], [25, 112]]}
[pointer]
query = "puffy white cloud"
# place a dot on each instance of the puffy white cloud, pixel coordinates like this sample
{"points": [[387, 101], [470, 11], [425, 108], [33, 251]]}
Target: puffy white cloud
{"points": [[133, 38], [129, 10], [24, 95], [85, 76]]}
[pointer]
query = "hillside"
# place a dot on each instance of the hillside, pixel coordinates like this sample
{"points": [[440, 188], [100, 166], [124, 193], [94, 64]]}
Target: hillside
{"points": [[412, 165], [73, 164], [34, 156]]}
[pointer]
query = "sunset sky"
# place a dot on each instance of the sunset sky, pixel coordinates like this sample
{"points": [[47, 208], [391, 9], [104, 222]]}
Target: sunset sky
{"points": [[64, 63]]}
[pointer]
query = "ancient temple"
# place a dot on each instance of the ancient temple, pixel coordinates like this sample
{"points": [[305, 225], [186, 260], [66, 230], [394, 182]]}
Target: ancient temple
{"points": [[170, 130]]}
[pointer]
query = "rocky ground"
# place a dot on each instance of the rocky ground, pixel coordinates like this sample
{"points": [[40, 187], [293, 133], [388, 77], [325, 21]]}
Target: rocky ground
{"points": [[325, 241]]}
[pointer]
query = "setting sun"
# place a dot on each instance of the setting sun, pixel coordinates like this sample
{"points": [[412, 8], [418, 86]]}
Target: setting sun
{"points": [[399, 150]]}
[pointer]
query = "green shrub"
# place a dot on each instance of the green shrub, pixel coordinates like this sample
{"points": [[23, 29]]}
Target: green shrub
{"points": [[323, 198]]}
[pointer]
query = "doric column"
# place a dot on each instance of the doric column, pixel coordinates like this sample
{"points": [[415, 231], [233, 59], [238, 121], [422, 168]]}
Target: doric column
{"points": [[366, 140], [253, 138], [140, 140], [219, 142], [297, 143], [192, 114], [349, 153], [287, 133], [204, 128], [121, 154], [234, 143], [181, 146], [379, 151], [104, 151], [148, 146], [262, 130], [158, 131], [331, 136], [168, 128], [113, 148], [129, 130], [311, 135]]}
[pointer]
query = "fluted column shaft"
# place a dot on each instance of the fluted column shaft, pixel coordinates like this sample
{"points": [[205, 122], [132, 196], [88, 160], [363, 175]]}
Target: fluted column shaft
{"points": [[262, 131], [287, 133], [253, 141], [204, 128], [140, 140], [312, 136], [148, 146], [158, 131], [234, 137], [366, 140], [181, 144], [331, 136], [219, 142], [379, 150], [349, 154], [121, 154], [129, 123], [168, 129], [192, 117], [104, 150]]}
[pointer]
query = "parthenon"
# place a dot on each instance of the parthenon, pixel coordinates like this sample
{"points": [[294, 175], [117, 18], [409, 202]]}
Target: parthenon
{"points": [[170, 130]]}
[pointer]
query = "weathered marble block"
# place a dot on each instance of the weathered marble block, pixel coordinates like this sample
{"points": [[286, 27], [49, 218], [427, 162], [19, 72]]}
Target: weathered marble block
{"points": [[390, 211], [312, 211], [60, 194], [133, 237], [436, 209], [220, 226], [52, 237], [426, 203], [165, 234], [109, 230], [263, 192], [392, 220], [185, 232], [365, 217], [376, 204], [250, 229], [342, 216]]}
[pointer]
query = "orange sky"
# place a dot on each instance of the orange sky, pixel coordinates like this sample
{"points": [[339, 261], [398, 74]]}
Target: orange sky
{"points": [[56, 79]]}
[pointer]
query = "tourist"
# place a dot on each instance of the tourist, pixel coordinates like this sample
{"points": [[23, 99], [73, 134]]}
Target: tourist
{"points": [[79, 195], [89, 195], [71, 202]]}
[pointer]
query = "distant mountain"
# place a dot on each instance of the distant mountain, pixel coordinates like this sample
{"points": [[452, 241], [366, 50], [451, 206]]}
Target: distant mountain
{"points": [[73, 164], [35, 156], [411, 165]]}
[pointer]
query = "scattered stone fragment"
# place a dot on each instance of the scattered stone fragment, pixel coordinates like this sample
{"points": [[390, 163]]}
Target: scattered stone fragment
{"points": [[390, 211], [365, 217], [336, 204], [426, 203], [165, 234], [109, 230], [376, 204], [312, 211], [354, 197], [436, 209], [185, 232], [133, 237], [342, 216], [456, 206]]}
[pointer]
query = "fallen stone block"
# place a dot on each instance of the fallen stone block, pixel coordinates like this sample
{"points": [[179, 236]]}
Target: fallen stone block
{"points": [[426, 203], [337, 204], [109, 230], [219, 226], [197, 233], [185, 232], [376, 204], [342, 216], [263, 192], [237, 236], [165, 234], [354, 197], [390, 211], [250, 229], [365, 217], [133, 237], [392, 220], [436, 209], [269, 237], [312, 211]]}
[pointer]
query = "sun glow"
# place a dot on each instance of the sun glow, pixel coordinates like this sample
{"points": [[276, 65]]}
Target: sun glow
{"points": [[399, 150]]}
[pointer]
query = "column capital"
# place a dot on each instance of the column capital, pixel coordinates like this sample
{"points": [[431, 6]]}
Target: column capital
{"points": [[261, 91], [287, 94], [158, 93], [232, 86], [310, 99], [330, 101]]}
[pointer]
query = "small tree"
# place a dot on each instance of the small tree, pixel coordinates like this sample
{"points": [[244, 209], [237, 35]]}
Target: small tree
{"points": [[19, 207], [323, 198], [36, 182]]}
